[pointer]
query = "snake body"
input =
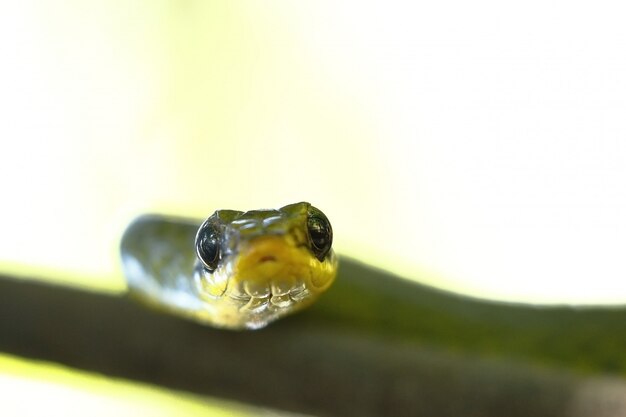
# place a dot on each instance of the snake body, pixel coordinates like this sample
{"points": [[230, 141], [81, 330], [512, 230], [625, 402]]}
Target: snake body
{"points": [[236, 270]]}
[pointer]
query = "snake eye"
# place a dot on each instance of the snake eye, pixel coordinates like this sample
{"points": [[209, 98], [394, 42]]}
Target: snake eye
{"points": [[320, 233], [208, 246]]}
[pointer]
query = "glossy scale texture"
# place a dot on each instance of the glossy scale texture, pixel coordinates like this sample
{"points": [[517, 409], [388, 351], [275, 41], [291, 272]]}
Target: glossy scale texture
{"points": [[266, 265]]}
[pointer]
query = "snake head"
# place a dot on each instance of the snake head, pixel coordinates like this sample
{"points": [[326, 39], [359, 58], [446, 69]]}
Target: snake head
{"points": [[254, 267]]}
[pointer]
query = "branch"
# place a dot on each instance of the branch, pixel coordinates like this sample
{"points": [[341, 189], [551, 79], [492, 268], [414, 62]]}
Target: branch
{"points": [[374, 345]]}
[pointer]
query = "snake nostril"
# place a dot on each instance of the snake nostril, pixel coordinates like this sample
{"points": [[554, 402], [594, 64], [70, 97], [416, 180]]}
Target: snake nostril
{"points": [[267, 258]]}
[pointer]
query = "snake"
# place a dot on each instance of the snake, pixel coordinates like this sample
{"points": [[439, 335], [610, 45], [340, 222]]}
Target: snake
{"points": [[236, 270]]}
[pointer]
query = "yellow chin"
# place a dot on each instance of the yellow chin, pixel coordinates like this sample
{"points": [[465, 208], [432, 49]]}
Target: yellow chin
{"points": [[271, 277], [275, 266]]}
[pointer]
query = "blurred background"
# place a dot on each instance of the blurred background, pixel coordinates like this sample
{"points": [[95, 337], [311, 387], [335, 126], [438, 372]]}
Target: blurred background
{"points": [[475, 147]]}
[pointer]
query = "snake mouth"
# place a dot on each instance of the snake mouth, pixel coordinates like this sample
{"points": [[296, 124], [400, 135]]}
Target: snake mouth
{"points": [[269, 276], [270, 297], [270, 272], [268, 258]]}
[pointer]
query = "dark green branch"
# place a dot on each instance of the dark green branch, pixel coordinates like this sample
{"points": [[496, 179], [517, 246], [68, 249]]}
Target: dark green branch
{"points": [[373, 345]]}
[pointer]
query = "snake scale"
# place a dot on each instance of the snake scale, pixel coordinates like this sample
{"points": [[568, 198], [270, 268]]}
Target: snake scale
{"points": [[237, 270]]}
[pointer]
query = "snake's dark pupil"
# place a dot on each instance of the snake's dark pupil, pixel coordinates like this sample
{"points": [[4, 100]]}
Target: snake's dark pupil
{"points": [[208, 243], [320, 234], [209, 251]]}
